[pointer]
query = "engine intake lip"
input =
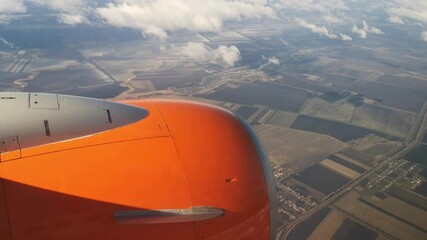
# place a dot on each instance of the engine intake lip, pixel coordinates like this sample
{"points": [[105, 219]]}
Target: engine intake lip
{"points": [[268, 176]]}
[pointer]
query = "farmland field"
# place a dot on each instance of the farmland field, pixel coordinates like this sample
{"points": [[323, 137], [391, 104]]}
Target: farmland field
{"points": [[404, 81], [379, 149], [392, 96], [340, 169], [374, 217], [418, 155], [282, 119], [384, 119], [267, 94], [424, 172], [74, 76], [327, 228], [358, 156], [260, 116], [338, 130], [325, 83], [350, 230], [246, 111], [354, 111], [422, 189], [322, 179], [345, 163], [407, 213], [284, 145], [410, 198], [339, 110], [304, 230]]}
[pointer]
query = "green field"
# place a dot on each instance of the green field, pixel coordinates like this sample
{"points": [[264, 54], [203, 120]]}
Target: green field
{"points": [[382, 119], [282, 119], [379, 149], [352, 110], [340, 110]]}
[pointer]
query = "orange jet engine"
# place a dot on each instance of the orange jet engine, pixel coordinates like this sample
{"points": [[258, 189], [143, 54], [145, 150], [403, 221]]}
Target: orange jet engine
{"points": [[81, 168]]}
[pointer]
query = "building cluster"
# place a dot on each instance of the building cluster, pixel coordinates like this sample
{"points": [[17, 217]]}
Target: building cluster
{"points": [[281, 172], [293, 201], [230, 76], [374, 139], [399, 173]]}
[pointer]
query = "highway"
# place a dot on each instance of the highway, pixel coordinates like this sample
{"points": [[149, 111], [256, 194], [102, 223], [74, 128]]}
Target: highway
{"points": [[414, 140]]}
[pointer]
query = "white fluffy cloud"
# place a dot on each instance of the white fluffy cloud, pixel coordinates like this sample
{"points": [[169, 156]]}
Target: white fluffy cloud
{"points": [[395, 19], [345, 37], [322, 6], [9, 44], [424, 36], [274, 60], [415, 10], [221, 55], [331, 19], [161, 16], [285, 43], [71, 12], [12, 6], [323, 31], [72, 19], [365, 29], [67, 6]]}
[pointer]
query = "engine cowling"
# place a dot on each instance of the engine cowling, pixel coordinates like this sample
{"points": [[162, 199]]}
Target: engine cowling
{"points": [[80, 168]]}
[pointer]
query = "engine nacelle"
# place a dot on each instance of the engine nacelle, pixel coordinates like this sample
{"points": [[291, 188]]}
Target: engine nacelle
{"points": [[81, 168]]}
